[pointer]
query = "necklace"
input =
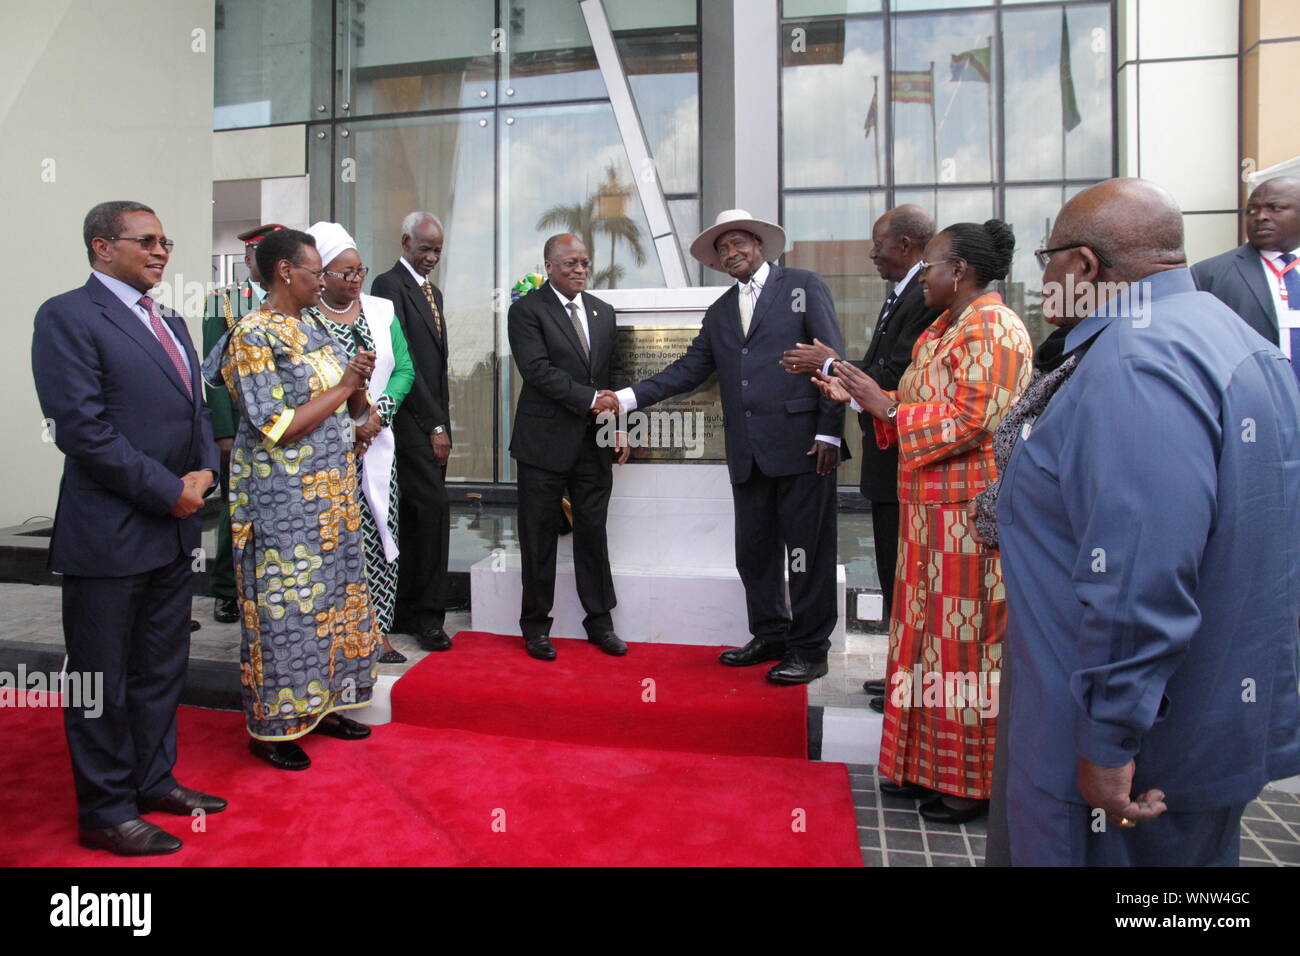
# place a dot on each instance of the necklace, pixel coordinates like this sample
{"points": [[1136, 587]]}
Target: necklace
{"points": [[336, 311]]}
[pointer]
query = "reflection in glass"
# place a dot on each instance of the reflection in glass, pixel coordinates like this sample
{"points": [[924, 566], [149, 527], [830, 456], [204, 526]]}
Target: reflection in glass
{"points": [[393, 57], [832, 103], [444, 165], [685, 214], [950, 205], [272, 62], [817, 8], [830, 234], [550, 53], [943, 98], [663, 70], [1030, 211], [1058, 117]]}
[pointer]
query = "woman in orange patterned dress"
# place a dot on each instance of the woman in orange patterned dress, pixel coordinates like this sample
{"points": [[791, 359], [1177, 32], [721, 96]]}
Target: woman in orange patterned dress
{"points": [[949, 611]]}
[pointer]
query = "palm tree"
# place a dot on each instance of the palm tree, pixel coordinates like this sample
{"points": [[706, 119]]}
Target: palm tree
{"points": [[603, 212]]}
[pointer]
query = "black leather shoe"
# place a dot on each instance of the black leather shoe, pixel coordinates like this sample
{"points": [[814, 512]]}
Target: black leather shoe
{"points": [[540, 647], [892, 789], [194, 626], [755, 652], [610, 643], [343, 728], [877, 704], [133, 838], [434, 639], [283, 754], [796, 670], [225, 611], [936, 811], [183, 801], [876, 688], [392, 657]]}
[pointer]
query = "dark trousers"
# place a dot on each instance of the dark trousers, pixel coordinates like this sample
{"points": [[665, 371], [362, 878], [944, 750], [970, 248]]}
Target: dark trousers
{"points": [[134, 630], [424, 532], [795, 517], [221, 570], [884, 532], [589, 483]]}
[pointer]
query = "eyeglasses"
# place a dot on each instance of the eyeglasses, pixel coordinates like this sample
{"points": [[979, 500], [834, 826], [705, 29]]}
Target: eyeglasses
{"points": [[923, 267], [318, 273], [352, 275], [146, 242], [568, 265], [1044, 256]]}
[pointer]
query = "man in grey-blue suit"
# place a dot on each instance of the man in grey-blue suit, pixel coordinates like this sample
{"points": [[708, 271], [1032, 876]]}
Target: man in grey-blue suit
{"points": [[118, 382], [783, 440], [1149, 527]]}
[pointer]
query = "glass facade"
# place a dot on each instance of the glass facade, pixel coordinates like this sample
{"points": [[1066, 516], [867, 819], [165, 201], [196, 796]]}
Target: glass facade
{"points": [[968, 108], [494, 115]]}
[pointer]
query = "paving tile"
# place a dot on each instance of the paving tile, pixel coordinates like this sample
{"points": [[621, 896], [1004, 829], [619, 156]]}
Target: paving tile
{"points": [[864, 798], [1268, 830], [946, 843], [897, 803], [1288, 852], [932, 827], [1249, 848], [907, 859], [862, 768], [862, 781], [868, 837], [900, 820], [942, 859], [904, 840], [867, 817], [1288, 812], [1245, 862], [1256, 811], [872, 858]]}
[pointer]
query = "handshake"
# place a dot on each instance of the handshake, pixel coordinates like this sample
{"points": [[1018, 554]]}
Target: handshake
{"points": [[606, 403]]}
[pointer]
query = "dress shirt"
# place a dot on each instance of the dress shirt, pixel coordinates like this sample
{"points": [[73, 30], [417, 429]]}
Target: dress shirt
{"points": [[754, 289], [1287, 318], [897, 294], [586, 329], [130, 297], [419, 279]]}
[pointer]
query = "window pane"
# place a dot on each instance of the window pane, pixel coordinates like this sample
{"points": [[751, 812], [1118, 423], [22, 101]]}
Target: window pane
{"points": [[398, 56], [950, 205], [272, 62], [663, 70], [443, 165], [943, 98], [1030, 213], [1058, 120], [831, 134], [939, 4], [639, 15], [685, 214], [830, 233], [817, 8], [551, 57]]}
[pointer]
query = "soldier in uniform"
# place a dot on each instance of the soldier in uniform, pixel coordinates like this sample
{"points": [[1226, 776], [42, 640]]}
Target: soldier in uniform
{"points": [[225, 307]]}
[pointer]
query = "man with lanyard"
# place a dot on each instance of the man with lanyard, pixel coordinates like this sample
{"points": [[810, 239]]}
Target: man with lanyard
{"points": [[226, 306]]}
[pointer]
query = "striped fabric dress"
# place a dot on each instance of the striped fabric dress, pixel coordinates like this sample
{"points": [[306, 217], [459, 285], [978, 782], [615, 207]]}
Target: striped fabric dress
{"points": [[949, 612]]}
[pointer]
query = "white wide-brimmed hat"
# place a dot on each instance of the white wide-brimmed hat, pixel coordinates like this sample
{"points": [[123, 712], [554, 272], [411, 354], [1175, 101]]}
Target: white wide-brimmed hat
{"points": [[769, 233]]}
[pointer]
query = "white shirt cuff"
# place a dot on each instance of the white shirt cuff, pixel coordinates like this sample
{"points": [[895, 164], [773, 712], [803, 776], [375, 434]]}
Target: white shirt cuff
{"points": [[826, 366], [853, 404], [828, 439], [594, 396], [626, 399]]}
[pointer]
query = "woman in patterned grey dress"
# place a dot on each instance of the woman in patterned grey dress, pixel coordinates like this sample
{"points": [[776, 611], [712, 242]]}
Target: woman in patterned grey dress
{"points": [[369, 323]]}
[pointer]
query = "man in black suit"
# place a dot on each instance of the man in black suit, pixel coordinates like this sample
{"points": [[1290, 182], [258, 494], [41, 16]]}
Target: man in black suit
{"points": [[118, 382], [422, 433], [1259, 280], [782, 440], [897, 240], [561, 338]]}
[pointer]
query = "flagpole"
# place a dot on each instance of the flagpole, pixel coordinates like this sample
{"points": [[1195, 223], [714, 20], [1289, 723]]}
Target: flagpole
{"points": [[934, 139], [993, 171], [875, 98]]}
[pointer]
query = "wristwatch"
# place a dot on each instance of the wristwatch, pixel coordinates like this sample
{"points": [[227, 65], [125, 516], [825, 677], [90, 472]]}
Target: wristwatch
{"points": [[438, 429], [892, 411]]}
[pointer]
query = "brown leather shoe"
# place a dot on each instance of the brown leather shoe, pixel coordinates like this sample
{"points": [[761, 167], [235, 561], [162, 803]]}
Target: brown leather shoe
{"points": [[133, 838], [183, 801]]}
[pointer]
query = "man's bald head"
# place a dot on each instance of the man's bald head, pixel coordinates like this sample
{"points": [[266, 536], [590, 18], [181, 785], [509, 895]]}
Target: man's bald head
{"points": [[898, 238], [1133, 223], [1273, 215]]}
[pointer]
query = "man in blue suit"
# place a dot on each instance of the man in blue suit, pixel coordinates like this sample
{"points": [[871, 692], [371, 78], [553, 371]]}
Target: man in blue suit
{"points": [[119, 385], [783, 439], [1148, 526]]}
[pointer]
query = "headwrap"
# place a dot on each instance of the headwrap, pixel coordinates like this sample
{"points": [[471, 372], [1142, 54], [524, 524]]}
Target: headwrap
{"points": [[331, 240]]}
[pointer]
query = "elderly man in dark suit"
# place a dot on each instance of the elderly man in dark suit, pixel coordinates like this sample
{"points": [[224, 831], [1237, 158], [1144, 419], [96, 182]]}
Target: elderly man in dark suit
{"points": [[782, 440], [561, 338], [897, 240], [118, 380], [1259, 280], [422, 432]]}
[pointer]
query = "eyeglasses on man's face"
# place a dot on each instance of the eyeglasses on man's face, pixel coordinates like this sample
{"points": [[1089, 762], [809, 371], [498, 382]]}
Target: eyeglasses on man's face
{"points": [[1044, 256], [571, 265], [352, 275], [146, 242]]}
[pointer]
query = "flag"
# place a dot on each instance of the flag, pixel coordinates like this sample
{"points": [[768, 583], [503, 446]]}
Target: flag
{"points": [[873, 114], [1070, 117], [915, 86], [972, 65]]}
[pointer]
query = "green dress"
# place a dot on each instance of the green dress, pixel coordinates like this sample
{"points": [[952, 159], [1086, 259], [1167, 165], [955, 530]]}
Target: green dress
{"points": [[309, 634]]}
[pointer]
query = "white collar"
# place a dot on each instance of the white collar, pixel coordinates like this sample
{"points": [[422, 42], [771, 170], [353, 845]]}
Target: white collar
{"points": [[756, 280], [565, 302], [902, 283], [419, 279], [1272, 255]]}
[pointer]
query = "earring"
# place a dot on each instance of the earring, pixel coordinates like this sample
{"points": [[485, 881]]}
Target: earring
{"points": [[289, 281], [954, 285]]}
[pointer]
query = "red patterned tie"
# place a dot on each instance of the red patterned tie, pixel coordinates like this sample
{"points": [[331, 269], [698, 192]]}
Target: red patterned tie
{"points": [[165, 340]]}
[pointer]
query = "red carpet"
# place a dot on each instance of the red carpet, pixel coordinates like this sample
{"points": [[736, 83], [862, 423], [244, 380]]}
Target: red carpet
{"points": [[412, 796], [488, 685]]}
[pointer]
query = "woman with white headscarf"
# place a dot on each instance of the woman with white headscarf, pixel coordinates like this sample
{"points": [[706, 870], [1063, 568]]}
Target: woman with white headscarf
{"points": [[366, 322]]}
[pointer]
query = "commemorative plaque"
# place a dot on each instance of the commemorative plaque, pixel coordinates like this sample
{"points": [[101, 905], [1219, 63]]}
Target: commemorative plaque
{"points": [[685, 429]]}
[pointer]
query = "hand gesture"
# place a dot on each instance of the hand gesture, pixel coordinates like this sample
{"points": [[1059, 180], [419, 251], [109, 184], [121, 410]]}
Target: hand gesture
{"points": [[622, 447], [828, 456], [831, 387], [864, 389], [360, 367], [371, 429], [807, 359], [1109, 788], [606, 403]]}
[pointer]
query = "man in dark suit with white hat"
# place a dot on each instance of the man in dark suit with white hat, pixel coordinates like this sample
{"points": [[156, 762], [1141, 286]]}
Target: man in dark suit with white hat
{"points": [[783, 440]]}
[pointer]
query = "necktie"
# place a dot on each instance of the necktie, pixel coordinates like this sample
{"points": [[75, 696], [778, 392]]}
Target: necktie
{"points": [[165, 340], [746, 307], [433, 306], [577, 327], [1292, 280], [887, 307]]}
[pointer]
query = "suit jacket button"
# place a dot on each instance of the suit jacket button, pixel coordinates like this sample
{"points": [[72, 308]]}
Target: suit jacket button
{"points": [[744, 383], [744, 351], [747, 414]]}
